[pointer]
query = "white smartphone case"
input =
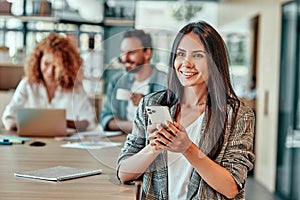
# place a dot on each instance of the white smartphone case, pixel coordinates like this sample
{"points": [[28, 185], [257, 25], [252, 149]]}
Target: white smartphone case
{"points": [[159, 114]]}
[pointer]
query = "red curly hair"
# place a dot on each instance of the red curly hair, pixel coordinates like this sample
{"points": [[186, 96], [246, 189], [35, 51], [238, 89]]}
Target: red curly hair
{"points": [[68, 73]]}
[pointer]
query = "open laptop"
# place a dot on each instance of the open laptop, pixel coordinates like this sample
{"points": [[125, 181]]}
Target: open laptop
{"points": [[41, 122]]}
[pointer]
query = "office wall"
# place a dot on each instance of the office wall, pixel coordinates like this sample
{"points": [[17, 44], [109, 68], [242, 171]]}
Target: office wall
{"points": [[268, 65], [5, 97]]}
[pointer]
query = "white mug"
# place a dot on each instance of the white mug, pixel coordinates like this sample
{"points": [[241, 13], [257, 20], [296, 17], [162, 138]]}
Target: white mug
{"points": [[123, 94]]}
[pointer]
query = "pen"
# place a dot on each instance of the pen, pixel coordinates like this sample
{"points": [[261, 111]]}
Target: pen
{"points": [[5, 143], [14, 141]]}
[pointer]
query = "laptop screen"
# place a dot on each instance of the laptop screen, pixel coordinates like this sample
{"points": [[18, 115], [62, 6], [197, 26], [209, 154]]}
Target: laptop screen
{"points": [[41, 122]]}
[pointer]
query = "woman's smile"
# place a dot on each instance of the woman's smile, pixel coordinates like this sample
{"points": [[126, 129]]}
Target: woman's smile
{"points": [[188, 74]]}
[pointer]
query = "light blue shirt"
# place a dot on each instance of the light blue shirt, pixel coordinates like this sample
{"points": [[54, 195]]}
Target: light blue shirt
{"points": [[114, 108]]}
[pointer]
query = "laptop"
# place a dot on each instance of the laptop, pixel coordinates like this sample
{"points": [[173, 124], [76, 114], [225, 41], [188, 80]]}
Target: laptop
{"points": [[41, 122]]}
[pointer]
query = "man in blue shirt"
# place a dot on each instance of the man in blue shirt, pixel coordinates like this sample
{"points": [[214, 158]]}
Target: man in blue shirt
{"points": [[139, 78]]}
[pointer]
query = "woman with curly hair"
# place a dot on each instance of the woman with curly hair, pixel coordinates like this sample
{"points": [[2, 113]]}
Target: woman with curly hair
{"points": [[53, 80]]}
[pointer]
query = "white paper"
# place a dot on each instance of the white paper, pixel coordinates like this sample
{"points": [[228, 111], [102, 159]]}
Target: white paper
{"points": [[97, 132], [91, 145]]}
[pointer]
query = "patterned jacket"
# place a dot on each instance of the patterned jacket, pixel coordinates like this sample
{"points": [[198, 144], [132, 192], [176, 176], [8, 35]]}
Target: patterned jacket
{"points": [[236, 155]]}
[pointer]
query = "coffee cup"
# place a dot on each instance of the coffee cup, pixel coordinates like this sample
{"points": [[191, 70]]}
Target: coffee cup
{"points": [[123, 94]]}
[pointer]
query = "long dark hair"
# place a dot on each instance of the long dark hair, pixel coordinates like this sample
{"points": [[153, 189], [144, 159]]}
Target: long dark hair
{"points": [[220, 90]]}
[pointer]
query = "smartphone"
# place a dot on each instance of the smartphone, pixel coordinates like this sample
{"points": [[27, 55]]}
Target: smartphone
{"points": [[159, 114]]}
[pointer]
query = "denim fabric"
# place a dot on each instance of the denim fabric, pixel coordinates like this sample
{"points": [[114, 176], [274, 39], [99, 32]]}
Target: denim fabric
{"points": [[114, 108]]}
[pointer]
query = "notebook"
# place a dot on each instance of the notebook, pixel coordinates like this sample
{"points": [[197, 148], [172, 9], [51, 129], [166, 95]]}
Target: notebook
{"points": [[41, 122], [58, 173]]}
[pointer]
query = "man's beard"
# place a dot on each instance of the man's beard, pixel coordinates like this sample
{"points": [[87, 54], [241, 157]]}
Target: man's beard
{"points": [[136, 69]]}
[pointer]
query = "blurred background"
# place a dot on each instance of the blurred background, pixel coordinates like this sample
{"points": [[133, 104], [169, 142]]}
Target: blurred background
{"points": [[262, 38]]}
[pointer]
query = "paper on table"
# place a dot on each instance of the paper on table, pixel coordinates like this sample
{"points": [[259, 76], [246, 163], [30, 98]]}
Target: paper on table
{"points": [[91, 145], [97, 132], [112, 133], [87, 134]]}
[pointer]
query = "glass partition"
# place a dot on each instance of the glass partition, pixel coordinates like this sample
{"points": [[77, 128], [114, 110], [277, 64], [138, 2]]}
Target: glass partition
{"points": [[288, 155]]}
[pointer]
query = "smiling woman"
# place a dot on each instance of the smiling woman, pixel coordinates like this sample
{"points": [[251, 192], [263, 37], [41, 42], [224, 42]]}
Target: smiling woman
{"points": [[191, 62], [210, 144]]}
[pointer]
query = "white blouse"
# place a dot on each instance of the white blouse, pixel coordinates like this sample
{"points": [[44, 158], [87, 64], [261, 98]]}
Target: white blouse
{"points": [[179, 168], [76, 103]]}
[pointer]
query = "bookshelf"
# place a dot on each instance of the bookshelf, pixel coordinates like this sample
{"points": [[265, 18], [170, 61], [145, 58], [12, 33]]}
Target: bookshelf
{"points": [[20, 33]]}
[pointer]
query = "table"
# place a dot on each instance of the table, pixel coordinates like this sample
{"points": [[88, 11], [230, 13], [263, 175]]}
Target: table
{"points": [[19, 158]]}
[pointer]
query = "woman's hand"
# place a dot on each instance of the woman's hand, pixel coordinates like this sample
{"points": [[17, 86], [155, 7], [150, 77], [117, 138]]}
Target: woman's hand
{"points": [[172, 137], [152, 137], [78, 125]]}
